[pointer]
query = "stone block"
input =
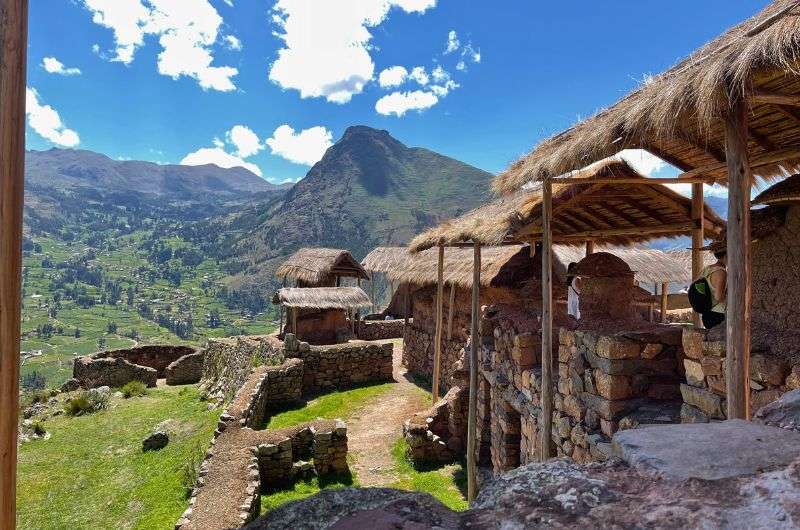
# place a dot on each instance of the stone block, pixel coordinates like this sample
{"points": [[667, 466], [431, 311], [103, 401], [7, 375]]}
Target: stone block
{"points": [[694, 373], [608, 427], [793, 379], [762, 398], [526, 340], [613, 386], [711, 365], [714, 348], [617, 348], [690, 414], [692, 341], [651, 351], [566, 337], [609, 409], [768, 369], [709, 403], [716, 383]]}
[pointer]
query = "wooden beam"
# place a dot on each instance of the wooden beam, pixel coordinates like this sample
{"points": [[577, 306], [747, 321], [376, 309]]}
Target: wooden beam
{"points": [[666, 157], [294, 311], [437, 347], [634, 230], [775, 98], [280, 329], [13, 53], [737, 376], [614, 210], [372, 291], [700, 145], [763, 159], [769, 21], [762, 141], [472, 423], [647, 181], [546, 420], [589, 247], [450, 311], [664, 301], [659, 196], [406, 303], [788, 113], [698, 240]]}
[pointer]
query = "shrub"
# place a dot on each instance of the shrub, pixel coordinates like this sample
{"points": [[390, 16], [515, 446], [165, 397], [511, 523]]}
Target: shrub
{"points": [[86, 402], [38, 428], [34, 381], [134, 389], [190, 471]]}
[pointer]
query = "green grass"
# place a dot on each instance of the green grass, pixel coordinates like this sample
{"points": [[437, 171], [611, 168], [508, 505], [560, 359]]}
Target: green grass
{"points": [[92, 472], [448, 483], [338, 404], [305, 488]]}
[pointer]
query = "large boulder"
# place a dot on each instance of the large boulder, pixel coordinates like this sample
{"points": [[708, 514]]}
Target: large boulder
{"points": [[155, 441], [783, 413], [185, 370]]}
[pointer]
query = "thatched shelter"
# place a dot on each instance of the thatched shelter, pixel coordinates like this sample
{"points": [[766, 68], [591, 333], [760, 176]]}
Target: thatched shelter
{"points": [[320, 267], [321, 315], [784, 192], [616, 214]]}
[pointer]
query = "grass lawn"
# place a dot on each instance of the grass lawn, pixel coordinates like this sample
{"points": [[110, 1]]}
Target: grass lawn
{"points": [[337, 404], [305, 488], [446, 483], [92, 473]]}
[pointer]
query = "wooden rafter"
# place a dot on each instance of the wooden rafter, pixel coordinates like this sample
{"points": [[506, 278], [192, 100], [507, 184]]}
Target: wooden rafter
{"points": [[762, 141], [705, 147], [770, 97], [614, 210], [594, 221], [666, 157], [788, 112], [640, 206]]}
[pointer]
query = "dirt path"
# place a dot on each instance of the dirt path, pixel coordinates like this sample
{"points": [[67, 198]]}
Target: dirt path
{"points": [[373, 430]]}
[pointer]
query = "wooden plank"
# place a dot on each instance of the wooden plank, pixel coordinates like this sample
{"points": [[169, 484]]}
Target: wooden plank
{"points": [[737, 375], [14, 42], [648, 181], [775, 98], [546, 422], [450, 310], [664, 301], [641, 230], [437, 347], [698, 240], [294, 311], [472, 423]]}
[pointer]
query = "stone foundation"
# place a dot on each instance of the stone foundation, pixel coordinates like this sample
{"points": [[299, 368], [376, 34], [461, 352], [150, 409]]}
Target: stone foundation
{"points": [[438, 435], [704, 390], [228, 362], [380, 329], [115, 368]]}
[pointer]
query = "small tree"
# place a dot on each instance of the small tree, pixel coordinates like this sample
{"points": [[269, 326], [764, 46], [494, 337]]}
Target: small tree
{"points": [[77, 333], [112, 327]]}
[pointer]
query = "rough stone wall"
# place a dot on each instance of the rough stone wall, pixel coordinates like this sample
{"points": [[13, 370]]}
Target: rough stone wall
{"points": [[343, 365], [157, 356], [278, 386], [776, 284], [114, 372], [380, 329], [438, 435], [321, 326], [228, 362], [185, 370], [704, 389]]}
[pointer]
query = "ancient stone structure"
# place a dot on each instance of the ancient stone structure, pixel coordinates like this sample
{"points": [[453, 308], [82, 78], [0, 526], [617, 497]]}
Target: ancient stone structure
{"points": [[380, 329], [279, 386], [607, 288], [116, 367], [228, 362], [438, 435], [185, 370]]}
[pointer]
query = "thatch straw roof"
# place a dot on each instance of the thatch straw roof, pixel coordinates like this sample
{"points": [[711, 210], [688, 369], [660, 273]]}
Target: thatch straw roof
{"points": [[322, 297], [627, 213], [649, 265], [675, 115], [499, 265], [784, 192], [316, 265]]}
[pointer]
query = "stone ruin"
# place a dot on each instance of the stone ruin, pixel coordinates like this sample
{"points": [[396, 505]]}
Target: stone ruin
{"points": [[177, 364], [607, 288]]}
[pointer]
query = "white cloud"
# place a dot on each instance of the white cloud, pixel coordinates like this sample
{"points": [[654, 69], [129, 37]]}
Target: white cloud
{"points": [[303, 147], [232, 42], [219, 157], [439, 74], [461, 66], [244, 139], [52, 65], [642, 161], [46, 121], [452, 42], [229, 3], [399, 103], [326, 50], [392, 76], [445, 88], [419, 75], [186, 31]]}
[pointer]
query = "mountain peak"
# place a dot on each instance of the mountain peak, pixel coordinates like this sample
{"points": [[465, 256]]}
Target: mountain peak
{"points": [[364, 130]]}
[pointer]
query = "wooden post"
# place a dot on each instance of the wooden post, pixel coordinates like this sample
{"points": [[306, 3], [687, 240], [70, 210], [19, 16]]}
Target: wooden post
{"points": [[737, 376], [450, 309], [546, 421], [698, 239], [14, 42], [664, 301], [280, 329], [474, 338], [372, 290], [294, 311], [589, 247], [406, 303], [652, 312], [437, 347]]}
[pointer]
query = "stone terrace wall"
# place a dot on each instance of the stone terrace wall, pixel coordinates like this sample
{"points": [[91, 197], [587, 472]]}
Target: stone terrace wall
{"points": [[343, 365], [704, 391], [228, 362], [439, 434], [278, 386], [157, 356], [380, 329]]}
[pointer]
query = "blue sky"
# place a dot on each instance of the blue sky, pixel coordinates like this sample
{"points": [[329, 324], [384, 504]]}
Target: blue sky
{"points": [[165, 80]]}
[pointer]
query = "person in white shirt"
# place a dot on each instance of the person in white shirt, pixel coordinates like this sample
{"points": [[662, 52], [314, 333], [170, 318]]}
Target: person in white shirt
{"points": [[573, 292]]}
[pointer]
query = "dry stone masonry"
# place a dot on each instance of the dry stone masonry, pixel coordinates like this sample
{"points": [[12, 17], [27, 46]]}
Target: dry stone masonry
{"points": [[380, 329], [144, 363]]}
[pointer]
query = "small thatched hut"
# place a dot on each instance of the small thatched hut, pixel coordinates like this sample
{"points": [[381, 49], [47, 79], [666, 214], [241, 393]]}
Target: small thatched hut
{"points": [[321, 315], [320, 267]]}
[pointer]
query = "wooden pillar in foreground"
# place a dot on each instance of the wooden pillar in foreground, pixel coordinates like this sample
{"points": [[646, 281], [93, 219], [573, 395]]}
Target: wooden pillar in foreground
{"points": [[546, 421], [737, 374], [589, 247], [14, 42], [437, 347], [698, 239], [664, 301], [450, 309], [474, 338]]}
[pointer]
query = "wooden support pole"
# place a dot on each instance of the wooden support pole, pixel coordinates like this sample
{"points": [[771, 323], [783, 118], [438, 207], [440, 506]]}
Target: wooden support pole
{"points": [[474, 338], [546, 421], [589, 247], [372, 291], [437, 347], [13, 52], [450, 310], [652, 313], [664, 301], [406, 304], [737, 374], [698, 239], [294, 311], [280, 330]]}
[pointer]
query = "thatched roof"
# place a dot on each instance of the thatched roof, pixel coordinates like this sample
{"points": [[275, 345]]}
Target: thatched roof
{"points": [[649, 265], [315, 265], [499, 265], [322, 297], [784, 192], [675, 115], [632, 213]]}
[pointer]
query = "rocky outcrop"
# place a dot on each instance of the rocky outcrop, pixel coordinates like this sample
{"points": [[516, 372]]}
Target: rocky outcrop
{"points": [[185, 370]]}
